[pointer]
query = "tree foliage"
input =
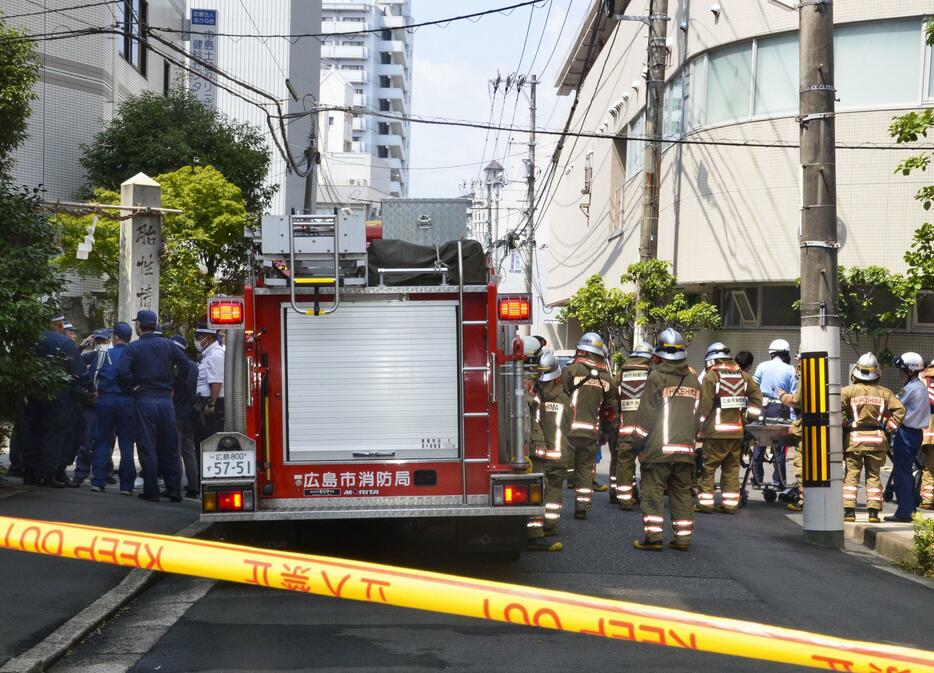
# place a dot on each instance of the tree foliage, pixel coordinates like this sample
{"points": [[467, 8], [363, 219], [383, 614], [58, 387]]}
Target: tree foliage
{"points": [[908, 128], [158, 134], [873, 302], [204, 252], [27, 281], [611, 312]]}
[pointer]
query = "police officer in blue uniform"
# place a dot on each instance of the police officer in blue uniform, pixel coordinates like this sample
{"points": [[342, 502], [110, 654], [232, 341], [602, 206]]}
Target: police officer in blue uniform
{"points": [[183, 396], [88, 419], [115, 416], [146, 370], [53, 420]]}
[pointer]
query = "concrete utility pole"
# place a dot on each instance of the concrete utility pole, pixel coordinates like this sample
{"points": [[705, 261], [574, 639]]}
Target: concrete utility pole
{"points": [[140, 243], [530, 242], [654, 118], [820, 322]]}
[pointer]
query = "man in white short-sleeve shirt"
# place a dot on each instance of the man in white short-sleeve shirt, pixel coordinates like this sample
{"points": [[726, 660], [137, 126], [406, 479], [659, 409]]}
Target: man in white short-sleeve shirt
{"points": [[210, 394]]}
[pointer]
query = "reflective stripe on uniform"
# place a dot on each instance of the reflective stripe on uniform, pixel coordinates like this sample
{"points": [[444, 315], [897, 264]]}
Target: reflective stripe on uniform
{"points": [[678, 448]]}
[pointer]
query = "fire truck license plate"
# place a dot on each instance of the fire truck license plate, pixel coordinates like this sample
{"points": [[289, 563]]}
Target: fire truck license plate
{"points": [[228, 464]]}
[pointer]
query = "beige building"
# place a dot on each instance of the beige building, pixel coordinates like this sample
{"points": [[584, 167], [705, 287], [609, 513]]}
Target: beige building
{"points": [[730, 215]]}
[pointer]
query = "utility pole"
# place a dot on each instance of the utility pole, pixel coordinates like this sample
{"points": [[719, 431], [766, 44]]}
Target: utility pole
{"points": [[822, 443], [530, 213], [654, 110]]}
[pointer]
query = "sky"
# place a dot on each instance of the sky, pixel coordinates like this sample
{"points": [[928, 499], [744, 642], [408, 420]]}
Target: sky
{"points": [[451, 77]]}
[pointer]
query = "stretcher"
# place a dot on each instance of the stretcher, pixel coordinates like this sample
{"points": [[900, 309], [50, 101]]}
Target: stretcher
{"points": [[775, 435]]}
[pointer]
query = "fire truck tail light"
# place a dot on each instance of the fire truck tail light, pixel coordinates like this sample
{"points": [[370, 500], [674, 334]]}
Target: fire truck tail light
{"points": [[225, 312], [516, 309], [234, 500], [519, 493]]}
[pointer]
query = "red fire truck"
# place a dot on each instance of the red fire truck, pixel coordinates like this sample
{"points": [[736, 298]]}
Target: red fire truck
{"points": [[371, 380]]}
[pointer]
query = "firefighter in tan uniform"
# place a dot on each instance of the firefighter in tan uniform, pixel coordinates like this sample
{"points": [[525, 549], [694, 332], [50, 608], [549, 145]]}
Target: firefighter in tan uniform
{"points": [[666, 426], [729, 395], [630, 384], [589, 386], [549, 454], [867, 408], [927, 444]]}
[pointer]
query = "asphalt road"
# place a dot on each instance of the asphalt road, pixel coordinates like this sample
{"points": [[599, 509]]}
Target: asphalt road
{"points": [[750, 566]]}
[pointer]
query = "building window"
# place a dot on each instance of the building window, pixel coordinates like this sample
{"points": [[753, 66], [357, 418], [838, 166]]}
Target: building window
{"points": [[135, 15], [588, 174], [330, 120], [924, 310], [635, 157], [695, 76], [740, 307], [674, 102], [385, 82], [386, 34], [729, 83], [876, 63], [383, 105], [382, 152], [777, 306], [383, 129], [617, 184], [385, 58], [777, 75]]}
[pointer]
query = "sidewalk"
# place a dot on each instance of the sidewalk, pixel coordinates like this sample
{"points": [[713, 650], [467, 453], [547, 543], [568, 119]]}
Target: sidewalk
{"points": [[42, 592]]}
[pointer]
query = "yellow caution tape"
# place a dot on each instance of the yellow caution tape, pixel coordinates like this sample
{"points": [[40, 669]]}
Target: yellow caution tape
{"points": [[463, 596]]}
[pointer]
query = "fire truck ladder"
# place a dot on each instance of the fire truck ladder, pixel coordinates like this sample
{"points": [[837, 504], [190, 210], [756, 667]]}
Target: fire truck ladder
{"points": [[317, 282]]}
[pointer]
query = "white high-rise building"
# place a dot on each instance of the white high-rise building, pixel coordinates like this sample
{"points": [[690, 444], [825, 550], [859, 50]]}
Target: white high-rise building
{"points": [[266, 63], [378, 67]]}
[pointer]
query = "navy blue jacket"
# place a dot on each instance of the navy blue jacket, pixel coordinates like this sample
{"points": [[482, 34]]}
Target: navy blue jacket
{"points": [[58, 347], [107, 375], [184, 388], [146, 368]]}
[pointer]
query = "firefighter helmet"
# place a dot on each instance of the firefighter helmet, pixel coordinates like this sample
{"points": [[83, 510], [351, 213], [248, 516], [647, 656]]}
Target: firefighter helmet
{"points": [[670, 345], [531, 346], [549, 366], [592, 343], [909, 362], [717, 351], [867, 368], [779, 346], [642, 350]]}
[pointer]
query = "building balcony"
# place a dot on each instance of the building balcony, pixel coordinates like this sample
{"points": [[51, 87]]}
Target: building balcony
{"points": [[332, 26], [394, 163], [341, 51], [359, 146], [395, 188], [360, 99], [394, 21], [391, 69], [355, 76], [359, 124], [390, 140], [390, 93]]}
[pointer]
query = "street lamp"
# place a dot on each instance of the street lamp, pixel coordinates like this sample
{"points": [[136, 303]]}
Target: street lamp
{"points": [[493, 178]]}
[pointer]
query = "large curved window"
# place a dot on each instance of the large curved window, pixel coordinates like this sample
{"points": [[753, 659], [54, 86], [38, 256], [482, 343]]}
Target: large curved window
{"points": [[776, 75], [877, 63], [729, 82]]}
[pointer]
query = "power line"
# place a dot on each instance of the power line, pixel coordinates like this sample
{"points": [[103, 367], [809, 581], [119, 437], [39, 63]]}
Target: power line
{"points": [[60, 9], [554, 50], [411, 27], [265, 43], [62, 35]]}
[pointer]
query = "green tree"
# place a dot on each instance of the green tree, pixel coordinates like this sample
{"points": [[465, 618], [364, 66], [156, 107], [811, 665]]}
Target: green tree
{"points": [[664, 305], [909, 128], [611, 312], [607, 311], [873, 302], [158, 134], [27, 280], [204, 253]]}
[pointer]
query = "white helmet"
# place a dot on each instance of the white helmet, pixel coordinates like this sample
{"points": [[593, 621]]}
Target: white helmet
{"points": [[718, 351], [779, 346], [549, 365], [867, 368], [670, 345], [909, 362], [531, 346], [592, 343], [642, 350]]}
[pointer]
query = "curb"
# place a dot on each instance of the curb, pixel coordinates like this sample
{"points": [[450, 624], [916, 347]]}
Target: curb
{"points": [[895, 544], [43, 655]]}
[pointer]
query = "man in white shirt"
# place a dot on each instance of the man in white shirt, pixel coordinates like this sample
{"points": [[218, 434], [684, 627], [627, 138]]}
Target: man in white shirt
{"points": [[210, 392]]}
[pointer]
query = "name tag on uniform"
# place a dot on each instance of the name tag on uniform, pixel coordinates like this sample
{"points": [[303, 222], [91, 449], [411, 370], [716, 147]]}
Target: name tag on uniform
{"points": [[635, 376], [629, 405], [732, 402]]}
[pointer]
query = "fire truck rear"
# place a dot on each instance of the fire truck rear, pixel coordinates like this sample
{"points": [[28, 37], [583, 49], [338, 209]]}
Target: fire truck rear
{"points": [[366, 382]]}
